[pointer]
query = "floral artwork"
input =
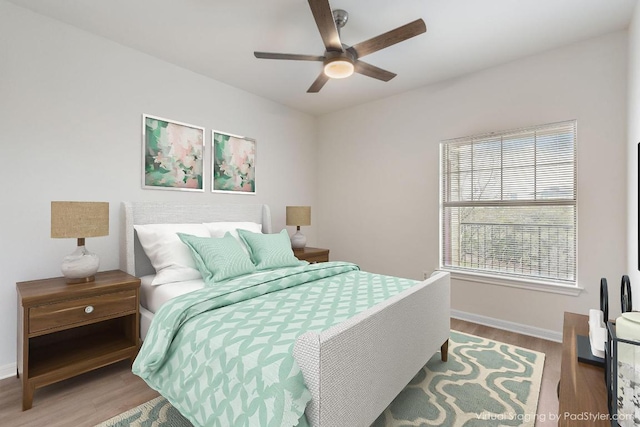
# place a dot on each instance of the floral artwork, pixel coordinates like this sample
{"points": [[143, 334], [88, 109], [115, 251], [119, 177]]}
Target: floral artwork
{"points": [[234, 163], [173, 155]]}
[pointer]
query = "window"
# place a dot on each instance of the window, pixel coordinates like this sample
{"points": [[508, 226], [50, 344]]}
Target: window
{"points": [[509, 203]]}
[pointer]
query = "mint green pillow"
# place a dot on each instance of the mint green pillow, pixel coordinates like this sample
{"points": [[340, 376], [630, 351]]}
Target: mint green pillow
{"points": [[269, 250], [218, 259]]}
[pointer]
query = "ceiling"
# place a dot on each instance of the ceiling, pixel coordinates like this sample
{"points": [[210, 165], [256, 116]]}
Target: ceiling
{"points": [[217, 38]]}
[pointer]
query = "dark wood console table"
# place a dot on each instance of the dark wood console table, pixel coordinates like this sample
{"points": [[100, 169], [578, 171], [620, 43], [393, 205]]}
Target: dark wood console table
{"points": [[582, 387]]}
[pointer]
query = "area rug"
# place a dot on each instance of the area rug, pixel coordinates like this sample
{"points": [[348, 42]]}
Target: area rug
{"points": [[484, 383]]}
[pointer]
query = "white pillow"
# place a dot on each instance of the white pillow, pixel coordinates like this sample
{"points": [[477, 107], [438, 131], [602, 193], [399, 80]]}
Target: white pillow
{"points": [[170, 257], [218, 229]]}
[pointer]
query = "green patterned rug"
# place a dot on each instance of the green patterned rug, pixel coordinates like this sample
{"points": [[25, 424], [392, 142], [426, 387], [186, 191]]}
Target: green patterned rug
{"points": [[484, 383]]}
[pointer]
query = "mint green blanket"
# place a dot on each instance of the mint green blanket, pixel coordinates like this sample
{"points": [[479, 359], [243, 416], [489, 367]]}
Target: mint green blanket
{"points": [[222, 355]]}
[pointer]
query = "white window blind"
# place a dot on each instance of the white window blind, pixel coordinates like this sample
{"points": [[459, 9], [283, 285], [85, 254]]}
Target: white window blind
{"points": [[509, 203]]}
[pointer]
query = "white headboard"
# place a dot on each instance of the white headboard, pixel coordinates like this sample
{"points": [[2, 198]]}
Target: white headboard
{"points": [[134, 261]]}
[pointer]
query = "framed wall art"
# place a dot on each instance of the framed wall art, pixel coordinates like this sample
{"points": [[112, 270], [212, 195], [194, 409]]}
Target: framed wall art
{"points": [[233, 163], [172, 155]]}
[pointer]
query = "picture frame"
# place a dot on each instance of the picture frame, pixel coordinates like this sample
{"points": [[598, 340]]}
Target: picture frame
{"points": [[233, 163], [172, 155]]}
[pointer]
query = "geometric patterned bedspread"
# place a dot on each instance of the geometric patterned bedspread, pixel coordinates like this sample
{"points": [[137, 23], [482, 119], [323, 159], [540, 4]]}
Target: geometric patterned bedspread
{"points": [[222, 355]]}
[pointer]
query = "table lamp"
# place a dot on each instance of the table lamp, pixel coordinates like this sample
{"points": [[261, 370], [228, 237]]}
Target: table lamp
{"points": [[298, 215], [79, 220]]}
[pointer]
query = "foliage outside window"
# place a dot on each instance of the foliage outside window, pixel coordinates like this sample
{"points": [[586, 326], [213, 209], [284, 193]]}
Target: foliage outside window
{"points": [[508, 203]]}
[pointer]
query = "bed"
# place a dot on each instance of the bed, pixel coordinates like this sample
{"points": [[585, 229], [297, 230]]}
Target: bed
{"points": [[353, 369]]}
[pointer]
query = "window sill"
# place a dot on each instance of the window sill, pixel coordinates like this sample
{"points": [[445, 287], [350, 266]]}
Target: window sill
{"points": [[533, 285]]}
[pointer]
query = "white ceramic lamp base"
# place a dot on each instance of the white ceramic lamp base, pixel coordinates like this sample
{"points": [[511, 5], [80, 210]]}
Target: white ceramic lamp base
{"points": [[298, 240], [80, 266]]}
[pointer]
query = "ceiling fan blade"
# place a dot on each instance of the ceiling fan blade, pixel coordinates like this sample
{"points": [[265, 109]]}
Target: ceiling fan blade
{"points": [[321, 11], [389, 38], [294, 56], [317, 85], [373, 71]]}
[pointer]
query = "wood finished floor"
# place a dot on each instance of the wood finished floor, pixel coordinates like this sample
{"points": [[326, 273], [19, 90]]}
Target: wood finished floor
{"points": [[91, 398]]}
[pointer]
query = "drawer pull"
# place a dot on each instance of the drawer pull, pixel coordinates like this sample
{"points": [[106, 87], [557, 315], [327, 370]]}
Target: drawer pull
{"points": [[88, 309]]}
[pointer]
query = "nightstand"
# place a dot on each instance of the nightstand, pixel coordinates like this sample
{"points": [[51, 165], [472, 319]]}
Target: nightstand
{"points": [[312, 255], [65, 330]]}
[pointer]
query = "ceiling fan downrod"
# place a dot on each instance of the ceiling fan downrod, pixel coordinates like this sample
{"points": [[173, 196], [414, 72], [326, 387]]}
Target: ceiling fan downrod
{"points": [[340, 17]]}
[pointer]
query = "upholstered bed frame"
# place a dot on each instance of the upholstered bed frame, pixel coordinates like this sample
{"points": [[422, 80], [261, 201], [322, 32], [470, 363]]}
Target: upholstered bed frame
{"points": [[354, 369]]}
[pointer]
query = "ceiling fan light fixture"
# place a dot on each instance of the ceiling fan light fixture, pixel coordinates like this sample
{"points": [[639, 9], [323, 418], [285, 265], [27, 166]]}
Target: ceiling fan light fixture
{"points": [[339, 68]]}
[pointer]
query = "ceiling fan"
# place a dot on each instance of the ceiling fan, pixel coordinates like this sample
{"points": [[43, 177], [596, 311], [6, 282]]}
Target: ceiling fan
{"points": [[340, 60]]}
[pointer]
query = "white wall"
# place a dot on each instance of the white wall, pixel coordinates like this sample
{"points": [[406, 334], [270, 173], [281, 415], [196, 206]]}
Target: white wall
{"points": [[632, 154], [70, 124], [378, 195], [70, 129]]}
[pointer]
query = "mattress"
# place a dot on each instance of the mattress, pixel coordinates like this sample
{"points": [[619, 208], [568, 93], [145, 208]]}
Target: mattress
{"points": [[153, 297]]}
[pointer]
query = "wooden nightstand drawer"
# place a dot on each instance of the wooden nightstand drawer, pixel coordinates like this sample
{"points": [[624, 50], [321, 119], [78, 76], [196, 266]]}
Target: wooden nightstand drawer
{"points": [[82, 311]]}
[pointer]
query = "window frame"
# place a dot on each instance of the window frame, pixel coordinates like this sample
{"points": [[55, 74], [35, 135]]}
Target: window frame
{"points": [[566, 287]]}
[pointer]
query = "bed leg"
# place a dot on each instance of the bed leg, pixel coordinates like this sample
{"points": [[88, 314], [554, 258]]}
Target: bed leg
{"points": [[444, 351]]}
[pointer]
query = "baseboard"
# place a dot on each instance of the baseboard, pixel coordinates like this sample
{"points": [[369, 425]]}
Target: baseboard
{"points": [[7, 371], [545, 334]]}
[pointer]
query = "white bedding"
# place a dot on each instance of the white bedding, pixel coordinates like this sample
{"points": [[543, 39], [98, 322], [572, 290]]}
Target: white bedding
{"points": [[152, 297]]}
